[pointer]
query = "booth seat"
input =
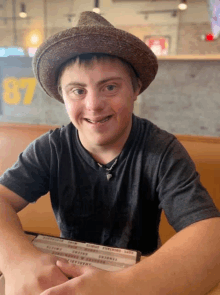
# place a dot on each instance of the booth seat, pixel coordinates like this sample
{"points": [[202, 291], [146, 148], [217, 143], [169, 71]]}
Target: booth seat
{"points": [[39, 217]]}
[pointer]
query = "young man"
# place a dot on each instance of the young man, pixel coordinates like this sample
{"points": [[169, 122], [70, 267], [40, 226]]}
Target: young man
{"points": [[109, 174]]}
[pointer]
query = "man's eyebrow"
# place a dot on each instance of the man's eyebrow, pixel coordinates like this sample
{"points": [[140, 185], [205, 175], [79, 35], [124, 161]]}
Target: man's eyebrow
{"points": [[75, 83]]}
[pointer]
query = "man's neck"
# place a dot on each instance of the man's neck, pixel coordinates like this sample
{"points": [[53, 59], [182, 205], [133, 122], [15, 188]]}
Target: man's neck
{"points": [[105, 158], [104, 154]]}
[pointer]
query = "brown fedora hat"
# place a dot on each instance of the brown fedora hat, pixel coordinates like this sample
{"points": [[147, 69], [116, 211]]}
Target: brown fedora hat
{"points": [[92, 34]]}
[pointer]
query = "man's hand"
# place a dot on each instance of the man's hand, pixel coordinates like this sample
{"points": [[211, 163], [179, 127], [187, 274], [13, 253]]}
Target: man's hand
{"points": [[87, 280], [34, 274]]}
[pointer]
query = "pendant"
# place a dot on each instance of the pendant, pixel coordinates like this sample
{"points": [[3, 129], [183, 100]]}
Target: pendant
{"points": [[108, 176]]}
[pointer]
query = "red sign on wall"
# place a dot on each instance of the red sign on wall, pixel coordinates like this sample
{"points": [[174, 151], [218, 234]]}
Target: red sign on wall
{"points": [[159, 45]]}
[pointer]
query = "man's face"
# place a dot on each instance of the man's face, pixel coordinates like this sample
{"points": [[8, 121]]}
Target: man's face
{"points": [[99, 101]]}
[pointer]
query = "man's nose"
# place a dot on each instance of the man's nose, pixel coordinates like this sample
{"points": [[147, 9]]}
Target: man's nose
{"points": [[94, 101]]}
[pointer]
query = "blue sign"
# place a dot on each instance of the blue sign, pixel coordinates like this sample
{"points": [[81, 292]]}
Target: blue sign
{"points": [[214, 15], [11, 51]]}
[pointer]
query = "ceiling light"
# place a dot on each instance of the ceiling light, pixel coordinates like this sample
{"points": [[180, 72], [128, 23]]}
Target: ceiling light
{"points": [[96, 8], [33, 39], [182, 5], [23, 13]]}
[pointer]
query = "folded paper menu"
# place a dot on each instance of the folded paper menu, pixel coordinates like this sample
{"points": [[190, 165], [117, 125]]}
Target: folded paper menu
{"points": [[82, 253]]}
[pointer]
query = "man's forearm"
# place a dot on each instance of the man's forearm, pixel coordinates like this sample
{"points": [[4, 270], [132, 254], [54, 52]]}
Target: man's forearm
{"points": [[189, 263], [13, 241]]}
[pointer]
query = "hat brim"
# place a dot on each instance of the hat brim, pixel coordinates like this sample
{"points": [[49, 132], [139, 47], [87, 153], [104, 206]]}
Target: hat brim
{"points": [[87, 39]]}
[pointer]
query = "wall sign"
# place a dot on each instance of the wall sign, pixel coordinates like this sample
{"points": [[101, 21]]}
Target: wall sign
{"points": [[12, 90], [214, 16], [158, 44], [21, 98]]}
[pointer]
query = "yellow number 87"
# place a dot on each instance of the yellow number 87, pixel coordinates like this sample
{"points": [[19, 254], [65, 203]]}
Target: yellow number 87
{"points": [[12, 86]]}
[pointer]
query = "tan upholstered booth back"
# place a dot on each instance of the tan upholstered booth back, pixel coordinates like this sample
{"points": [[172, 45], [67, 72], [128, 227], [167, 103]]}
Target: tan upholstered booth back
{"points": [[39, 217]]}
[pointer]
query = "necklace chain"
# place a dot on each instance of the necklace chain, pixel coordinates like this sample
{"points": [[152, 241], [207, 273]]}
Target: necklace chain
{"points": [[109, 169], [108, 174]]}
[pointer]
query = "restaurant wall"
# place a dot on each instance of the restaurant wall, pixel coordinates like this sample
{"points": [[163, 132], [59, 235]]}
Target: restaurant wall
{"points": [[190, 41], [184, 30], [184, 97], [168, 30], [21, 98], [180, 105]]}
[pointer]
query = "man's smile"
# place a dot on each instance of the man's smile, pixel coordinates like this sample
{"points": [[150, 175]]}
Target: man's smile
{"points": [[98, 120]]}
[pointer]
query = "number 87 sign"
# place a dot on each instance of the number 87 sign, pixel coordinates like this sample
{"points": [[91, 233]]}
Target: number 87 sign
{"points": [[11, 90]]}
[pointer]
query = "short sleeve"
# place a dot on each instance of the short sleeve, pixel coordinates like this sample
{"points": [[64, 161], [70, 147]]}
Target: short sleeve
{"points": [[29, 176], [181, 194]]}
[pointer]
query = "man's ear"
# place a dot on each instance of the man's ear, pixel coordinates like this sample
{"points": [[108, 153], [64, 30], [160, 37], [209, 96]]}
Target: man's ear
{"points": [[139, 87]]}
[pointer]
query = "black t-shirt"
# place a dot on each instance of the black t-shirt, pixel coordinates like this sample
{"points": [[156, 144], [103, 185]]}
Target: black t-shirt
{"points": [[153, 172]]}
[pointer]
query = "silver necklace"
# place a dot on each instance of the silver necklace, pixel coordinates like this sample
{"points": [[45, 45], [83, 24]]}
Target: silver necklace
{"points": [[108, 170]]}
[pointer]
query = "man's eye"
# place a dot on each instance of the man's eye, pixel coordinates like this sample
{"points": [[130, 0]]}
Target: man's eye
{"points": [[78, 91], [111, 87]]}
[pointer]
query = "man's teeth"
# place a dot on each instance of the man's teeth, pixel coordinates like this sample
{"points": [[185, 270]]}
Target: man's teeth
{"points": [[102, 121], [106, 119]]}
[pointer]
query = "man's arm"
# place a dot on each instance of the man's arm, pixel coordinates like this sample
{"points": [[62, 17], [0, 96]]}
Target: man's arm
{"points": [[189, 263], [11, 233], [20, 262]]}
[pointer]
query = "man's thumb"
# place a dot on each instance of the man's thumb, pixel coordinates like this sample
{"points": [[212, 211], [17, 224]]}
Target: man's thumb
{"points": [[70, 269]]}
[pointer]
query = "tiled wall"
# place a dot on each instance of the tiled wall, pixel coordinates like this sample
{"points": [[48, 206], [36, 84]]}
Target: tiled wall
{"points": [[184, 98]]}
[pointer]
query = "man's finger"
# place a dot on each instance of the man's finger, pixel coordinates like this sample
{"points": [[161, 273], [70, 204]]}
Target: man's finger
{"points": [[70, 269], [62, 259]]}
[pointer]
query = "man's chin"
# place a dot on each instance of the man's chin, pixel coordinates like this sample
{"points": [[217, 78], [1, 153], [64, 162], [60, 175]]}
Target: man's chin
{"points": [[102, 142]]}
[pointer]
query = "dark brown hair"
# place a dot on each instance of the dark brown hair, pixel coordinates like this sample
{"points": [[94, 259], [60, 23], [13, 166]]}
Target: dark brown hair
{"points": [[87, 59]]}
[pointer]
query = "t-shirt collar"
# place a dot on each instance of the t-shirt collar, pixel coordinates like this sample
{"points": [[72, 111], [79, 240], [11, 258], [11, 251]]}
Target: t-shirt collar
{"points": [[90, 160]]}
